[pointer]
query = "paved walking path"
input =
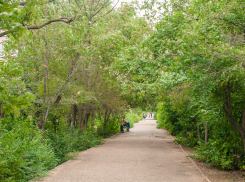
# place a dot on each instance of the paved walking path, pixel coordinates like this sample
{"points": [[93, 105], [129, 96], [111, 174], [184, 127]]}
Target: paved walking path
{"points": [[145, 154]]}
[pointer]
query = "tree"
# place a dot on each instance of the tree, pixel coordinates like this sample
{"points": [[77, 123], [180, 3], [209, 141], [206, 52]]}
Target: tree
{"points": [[15, 16], [196, 44]]}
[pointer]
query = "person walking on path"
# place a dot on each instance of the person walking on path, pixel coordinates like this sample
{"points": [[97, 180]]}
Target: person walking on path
{"points": [[144, 116]]}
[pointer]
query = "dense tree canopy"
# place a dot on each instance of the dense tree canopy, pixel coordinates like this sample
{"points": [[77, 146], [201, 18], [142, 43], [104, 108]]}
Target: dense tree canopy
{"points": [[73, 68]]}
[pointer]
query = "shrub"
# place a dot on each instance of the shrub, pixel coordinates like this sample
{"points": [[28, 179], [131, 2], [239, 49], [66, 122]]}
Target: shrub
{"points": [[64, 143], [132, 118], [216, 152], [24, 153], [112, 127], [155, 115]]}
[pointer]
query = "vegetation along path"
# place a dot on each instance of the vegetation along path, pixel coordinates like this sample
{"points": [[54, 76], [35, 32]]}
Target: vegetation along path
{"points": [[143, 154]]}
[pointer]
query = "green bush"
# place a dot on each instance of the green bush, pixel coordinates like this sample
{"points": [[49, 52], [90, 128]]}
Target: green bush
{"points": [[24, 153], [186, 141], [64, 143], [216, 152], [85, 140], [168, 119], [112, 127], [155, 115], [132, 118]]}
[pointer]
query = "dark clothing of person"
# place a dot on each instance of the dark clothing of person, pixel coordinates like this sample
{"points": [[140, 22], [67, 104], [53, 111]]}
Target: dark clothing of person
{"points": [[126, 124]]}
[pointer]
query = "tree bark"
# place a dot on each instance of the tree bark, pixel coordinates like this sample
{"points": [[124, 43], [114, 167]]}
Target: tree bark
{"points": [[80, 116], [106, 117], [105, 120], [74, 114], [1, 112], [198, 131], [87, 114], [206, 131], [58, 99], [227, 110], [44, 95]]}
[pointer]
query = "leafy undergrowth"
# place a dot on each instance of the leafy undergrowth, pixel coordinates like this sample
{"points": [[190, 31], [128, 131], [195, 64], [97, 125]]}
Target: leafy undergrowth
{"points": [[216, 153], [213, 173], [26, 154], [132, 118]]}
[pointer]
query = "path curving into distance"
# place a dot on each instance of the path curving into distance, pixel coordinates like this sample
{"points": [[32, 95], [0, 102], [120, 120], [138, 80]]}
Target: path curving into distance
{"points": [[145, 154]]}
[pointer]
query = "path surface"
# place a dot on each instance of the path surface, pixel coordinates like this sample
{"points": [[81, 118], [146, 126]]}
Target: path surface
{"points": [[145, 154]]}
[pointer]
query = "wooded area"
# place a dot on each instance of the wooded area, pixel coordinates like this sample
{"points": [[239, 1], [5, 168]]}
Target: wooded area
{"points": [[72, 69]]}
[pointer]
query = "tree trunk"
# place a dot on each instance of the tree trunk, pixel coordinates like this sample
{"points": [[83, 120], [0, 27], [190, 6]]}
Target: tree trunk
{"points": [[1, 112], [93, 116], [86, 119], [198, 131], [44, 98], [74, 115], [80, 116], [45, 86], [227, 110], [105, 120], [106, 117], [206, 131], [58, 99]]}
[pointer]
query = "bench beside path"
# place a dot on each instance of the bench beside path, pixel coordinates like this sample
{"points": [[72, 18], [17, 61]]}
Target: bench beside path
{"points": [[145, 154]]}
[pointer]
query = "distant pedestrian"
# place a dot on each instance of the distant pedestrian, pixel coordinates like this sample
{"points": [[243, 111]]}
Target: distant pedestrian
{"points": [[144, 116], [151, 114]]}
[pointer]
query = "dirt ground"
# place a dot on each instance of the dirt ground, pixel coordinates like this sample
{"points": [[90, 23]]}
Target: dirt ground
{"points": [[217, 175]]}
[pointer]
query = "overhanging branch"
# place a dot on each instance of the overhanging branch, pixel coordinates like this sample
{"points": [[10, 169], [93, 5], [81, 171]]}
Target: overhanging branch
{"points": [[62, 19], [233, 23], [65, 20], [24, 3]]}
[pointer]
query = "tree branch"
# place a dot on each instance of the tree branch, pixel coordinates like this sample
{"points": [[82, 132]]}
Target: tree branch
{"points": [[243, 119], [62, 19], [24, 3], [107, 12], [233, 122], [111, 9], [104, 3], [4, 33], [233, 23], [227, 54]]}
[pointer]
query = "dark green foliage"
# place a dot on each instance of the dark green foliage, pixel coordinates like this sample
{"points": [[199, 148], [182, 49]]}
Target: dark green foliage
{"points": [[218, 152], [64, 143], [24, 153], [132, 118], [112, 127], [168, 118], [224, 146]]}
